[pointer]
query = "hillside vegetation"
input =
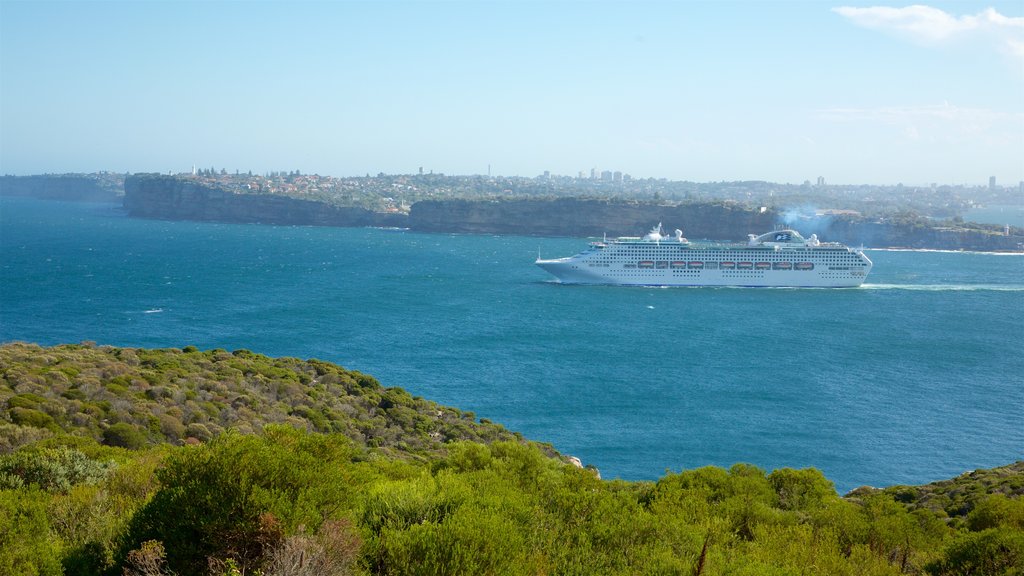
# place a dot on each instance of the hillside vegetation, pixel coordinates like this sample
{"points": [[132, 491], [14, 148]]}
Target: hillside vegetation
{"points": [[133, 398], [355, 485]]}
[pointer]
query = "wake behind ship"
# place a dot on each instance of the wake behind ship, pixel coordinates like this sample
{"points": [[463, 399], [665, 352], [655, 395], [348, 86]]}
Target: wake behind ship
{"points": [[782, 258]]}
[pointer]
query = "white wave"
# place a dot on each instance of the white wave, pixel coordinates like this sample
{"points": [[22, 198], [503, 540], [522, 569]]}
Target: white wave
{"points": [[153, 311], [944, 251], [946, 287]]}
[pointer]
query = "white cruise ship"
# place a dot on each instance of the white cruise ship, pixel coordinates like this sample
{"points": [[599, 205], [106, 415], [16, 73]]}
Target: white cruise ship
{"points": [[782, 258]]}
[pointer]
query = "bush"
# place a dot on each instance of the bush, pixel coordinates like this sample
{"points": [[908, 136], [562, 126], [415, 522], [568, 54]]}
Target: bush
{"points": [[13, 436], [32, 417], [801, 489], [996, 551], [236, 497], [124, 435], [25, 543], [996, 511], [53, 469], [332, 550]]}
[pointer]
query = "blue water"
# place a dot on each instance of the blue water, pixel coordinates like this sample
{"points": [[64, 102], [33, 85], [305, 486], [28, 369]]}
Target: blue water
{"points": [[1003, 215], [917, 376]]}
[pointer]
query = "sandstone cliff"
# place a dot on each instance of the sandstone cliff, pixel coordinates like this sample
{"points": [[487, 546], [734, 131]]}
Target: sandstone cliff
{"points": [[74, 187], [172, 197], [578, 217], [175, 198]]}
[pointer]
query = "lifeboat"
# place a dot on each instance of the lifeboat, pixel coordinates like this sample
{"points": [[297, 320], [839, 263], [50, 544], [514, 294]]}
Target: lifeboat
{"points": [[763, 265], [678, 264], [662, 264], [695, 265], [805, 265], [745, 265], [782, 266], [727, 265], [645, 264]]}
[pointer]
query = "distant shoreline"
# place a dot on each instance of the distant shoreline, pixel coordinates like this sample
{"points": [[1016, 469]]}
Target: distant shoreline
{"points": [[166, 197]]}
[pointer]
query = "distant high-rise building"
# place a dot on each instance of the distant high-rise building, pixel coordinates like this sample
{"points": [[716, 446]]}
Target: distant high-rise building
{"points": [[617, 176], [991, 182], [606, 175], [593, 173], [581, 175], [821, 180]]}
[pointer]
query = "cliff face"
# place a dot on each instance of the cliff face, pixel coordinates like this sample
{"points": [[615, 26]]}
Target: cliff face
{"points": [[173, 198], [884, 235], [573, 217], [78, 188], [579, 218]]}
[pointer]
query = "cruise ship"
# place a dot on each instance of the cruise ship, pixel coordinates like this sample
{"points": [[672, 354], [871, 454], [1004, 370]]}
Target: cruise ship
{"points": [[782, 258]]}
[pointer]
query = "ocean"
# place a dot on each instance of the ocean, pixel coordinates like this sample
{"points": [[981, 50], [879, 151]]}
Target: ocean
{"points": [[914, 377], [1003, 215]]}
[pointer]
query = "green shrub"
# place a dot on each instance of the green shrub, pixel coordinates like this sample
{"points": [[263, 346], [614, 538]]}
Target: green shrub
{"points": [[996, 511], [991, 552], [26, 546], [472, 541], [801, 489], [31, 417], [198, 431], [25, 401], [13, 436], [54, 469], [236, 497], [124, 435]]}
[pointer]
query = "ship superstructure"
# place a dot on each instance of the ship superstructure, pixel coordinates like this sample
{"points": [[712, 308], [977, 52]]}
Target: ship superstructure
{"points": [[782, 258]]}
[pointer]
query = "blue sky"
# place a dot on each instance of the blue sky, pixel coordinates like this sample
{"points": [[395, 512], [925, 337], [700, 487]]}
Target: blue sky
{"points": [[856, 92]]}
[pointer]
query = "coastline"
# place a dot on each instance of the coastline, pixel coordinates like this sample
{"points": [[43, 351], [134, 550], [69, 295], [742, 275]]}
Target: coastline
{"points": [[172, 198]]}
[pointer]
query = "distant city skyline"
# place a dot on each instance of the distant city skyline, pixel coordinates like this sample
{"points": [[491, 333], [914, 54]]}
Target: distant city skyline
{"points": [[788, 92]]}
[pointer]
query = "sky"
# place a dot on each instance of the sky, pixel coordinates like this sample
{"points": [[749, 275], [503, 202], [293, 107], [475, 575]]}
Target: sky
{"points": [[854, 92]]}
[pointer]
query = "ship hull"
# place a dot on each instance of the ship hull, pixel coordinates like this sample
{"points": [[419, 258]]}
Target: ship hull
{"points": [[568, 273]]}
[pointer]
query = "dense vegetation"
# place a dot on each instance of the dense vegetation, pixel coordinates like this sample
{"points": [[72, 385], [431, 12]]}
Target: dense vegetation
{"points": [[299, 498], [137, 397]]}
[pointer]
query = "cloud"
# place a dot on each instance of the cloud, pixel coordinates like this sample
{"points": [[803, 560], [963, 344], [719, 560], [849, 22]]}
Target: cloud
{"points": [[932, 26]]}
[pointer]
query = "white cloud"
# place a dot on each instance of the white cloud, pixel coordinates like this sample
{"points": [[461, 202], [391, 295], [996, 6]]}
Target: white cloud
{"points": [[932, 26]]}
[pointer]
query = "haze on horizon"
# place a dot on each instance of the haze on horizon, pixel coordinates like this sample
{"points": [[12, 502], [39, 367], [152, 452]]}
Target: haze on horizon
{"points": [[702, 91]]}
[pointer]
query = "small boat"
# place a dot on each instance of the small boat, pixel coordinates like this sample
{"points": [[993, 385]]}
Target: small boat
{"points": [[782, 266], [696, 265], [645, 264], [763, 265], [678, 264], [805, 265], [745, 265], [727, 265]]}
